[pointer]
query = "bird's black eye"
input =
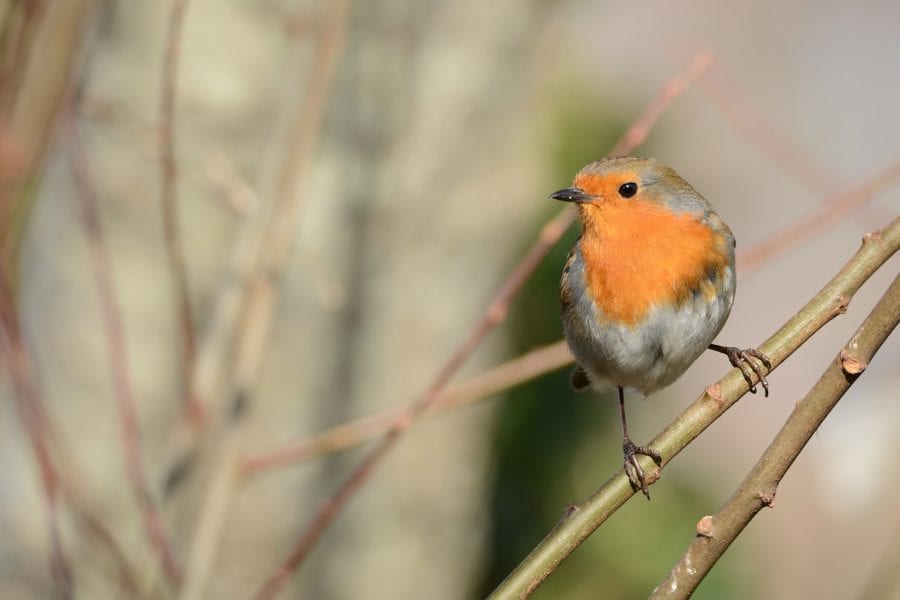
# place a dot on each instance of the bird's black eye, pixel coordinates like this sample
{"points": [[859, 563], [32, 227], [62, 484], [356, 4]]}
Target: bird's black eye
{"points": [[627, 190]]}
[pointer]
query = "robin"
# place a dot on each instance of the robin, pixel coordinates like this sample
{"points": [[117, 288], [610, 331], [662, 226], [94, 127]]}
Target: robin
{"points": [[648, 285]]}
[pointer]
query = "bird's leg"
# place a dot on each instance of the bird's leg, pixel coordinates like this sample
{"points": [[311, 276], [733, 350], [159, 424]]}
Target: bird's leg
{"points": [[632, 466], [741, 358]]}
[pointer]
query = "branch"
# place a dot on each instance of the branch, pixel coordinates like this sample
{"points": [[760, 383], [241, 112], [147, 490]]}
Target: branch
{"points": [[260, 300], [18, 364], [715, 534], [169, 200], [783, 152], [117, 346], [36, 66], [581, 520], [95, 530], [828, 215], [346, 435], [493, 316]]}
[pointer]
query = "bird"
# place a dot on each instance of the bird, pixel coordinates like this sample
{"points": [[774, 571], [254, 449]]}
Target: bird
{"points": [[647, 286]]}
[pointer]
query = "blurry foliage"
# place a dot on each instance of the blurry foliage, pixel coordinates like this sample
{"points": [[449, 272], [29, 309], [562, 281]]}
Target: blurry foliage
{"points": [[553, 446]]}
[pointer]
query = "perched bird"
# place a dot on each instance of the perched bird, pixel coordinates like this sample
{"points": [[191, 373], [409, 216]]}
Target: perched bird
{"points": [[648, 285]]}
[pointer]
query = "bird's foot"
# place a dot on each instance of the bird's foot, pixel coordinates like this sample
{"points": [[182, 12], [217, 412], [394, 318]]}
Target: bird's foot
{"points": [[632, 466], [742, 359]]}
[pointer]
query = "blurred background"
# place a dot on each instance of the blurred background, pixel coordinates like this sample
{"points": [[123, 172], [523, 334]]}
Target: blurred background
{"points": [[352, 181]]}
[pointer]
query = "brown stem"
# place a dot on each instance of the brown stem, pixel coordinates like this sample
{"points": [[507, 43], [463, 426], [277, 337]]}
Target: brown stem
{"points": [[262, 292], [514, 372], [826, 216], [758, 489], [117, 345], [18, 363], [169, 201], [585, 518], [781, 151]]}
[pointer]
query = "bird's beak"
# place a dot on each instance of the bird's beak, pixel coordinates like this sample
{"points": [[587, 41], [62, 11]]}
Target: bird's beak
{"points": [[572, 194]]}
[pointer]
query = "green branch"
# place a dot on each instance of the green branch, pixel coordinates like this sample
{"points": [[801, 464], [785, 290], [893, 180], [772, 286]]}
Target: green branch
{"points": [[715, 534], [582, 520]]}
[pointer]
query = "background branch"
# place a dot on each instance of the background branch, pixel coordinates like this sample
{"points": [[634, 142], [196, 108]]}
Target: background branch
{"points": [[582, 520], [37, 58], [497, 379], [262, 291], [116, 344], [829, 214], [19, 367], [715, 534], [759, 131], [169, 201]]}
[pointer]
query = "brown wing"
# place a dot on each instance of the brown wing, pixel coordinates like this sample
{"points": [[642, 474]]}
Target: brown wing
{"points": [[565, 292]]}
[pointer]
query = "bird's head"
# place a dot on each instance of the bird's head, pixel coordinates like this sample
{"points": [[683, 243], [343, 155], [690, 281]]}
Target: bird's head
{"points": [[627, 181]]}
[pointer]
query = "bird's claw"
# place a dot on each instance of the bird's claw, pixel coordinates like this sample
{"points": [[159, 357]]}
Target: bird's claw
{"points": [[632, 466], [742, 358]]}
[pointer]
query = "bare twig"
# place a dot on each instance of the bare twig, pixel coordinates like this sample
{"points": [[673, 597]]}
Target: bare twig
{"points": [[29, 107], [95, 529], [514, 372], [30, 99], [262, 294], [22, 18], [495, 314], [583, 519], [169, 199], [779, 149], [31, 409], [700, 65], [117, 345], [759, 487], [826, 216]]}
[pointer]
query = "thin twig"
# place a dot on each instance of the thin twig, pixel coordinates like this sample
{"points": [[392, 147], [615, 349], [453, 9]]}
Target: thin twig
{"points": [[829, 214], [758, 489], [31, 409], [495, 314], [581, 520], [503, 377], [22, 19], [169, 199], [701, 63], [30, 99], [95, 528], [262, 295], [117, 345], [782, 151]]}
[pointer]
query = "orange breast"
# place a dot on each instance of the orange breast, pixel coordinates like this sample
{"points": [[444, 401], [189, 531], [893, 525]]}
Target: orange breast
{"points": [[638, 254]]}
